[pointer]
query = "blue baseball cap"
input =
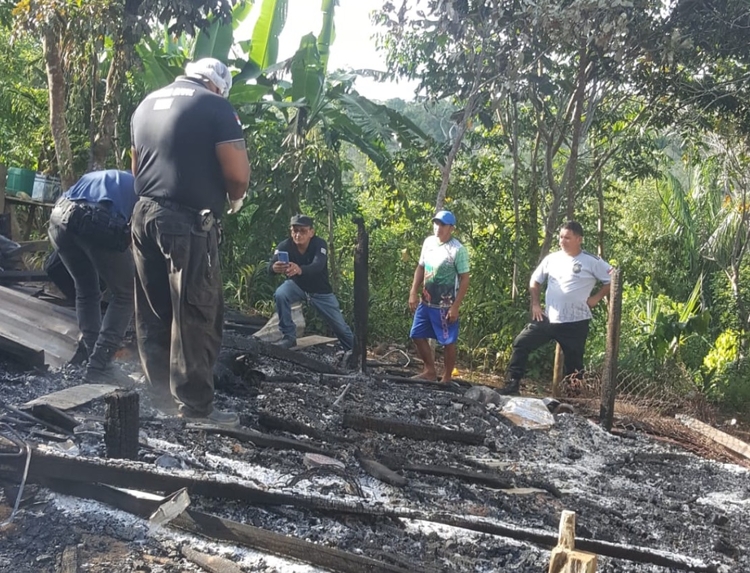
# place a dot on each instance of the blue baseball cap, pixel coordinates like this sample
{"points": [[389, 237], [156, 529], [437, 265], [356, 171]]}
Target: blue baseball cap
{"points": [[445, 217]]}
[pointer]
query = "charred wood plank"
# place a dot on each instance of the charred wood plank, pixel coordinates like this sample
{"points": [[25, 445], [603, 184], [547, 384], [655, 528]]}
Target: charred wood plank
{"points": [[211, 563], [382, 472], [440, 386], [54, 416], [121, 425], [31, 418], [135, 475], [361, 293], [213, 527], [464, 475], [272, 422], [261, 440], [544, 539], [297, 358], [410, 430]]}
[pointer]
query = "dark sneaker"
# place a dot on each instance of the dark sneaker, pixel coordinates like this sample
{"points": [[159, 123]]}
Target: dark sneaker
{"points": [[511, 388], [215, 418], [287, 342]]}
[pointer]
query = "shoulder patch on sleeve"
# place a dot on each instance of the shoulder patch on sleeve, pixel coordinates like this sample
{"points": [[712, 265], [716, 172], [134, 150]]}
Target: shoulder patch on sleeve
{"points": [[323, 250]]}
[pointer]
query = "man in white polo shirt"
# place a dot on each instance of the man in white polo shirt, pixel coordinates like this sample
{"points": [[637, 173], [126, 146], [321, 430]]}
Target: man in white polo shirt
{"points": [[571, 275]]}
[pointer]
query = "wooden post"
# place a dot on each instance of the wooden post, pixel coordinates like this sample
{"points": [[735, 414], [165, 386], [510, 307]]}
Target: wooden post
{"points": [[564, 558], [121, 425], [609, 376], [361, 293], [557, 372]]}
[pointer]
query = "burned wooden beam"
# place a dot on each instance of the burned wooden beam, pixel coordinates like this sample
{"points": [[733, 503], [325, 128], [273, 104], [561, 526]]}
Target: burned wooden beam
{"points": [[361, 293], [211, 563], [294, 427], [254, 346], [54, 416], [47, 466], [432, 385], [260, 439], [409, 430], [490, 480], [382, 472], [214, 527], [121, 425]]}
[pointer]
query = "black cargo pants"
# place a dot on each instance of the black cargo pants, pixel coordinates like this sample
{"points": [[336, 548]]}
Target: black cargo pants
{"points": [[571, 336], [179, 304]]}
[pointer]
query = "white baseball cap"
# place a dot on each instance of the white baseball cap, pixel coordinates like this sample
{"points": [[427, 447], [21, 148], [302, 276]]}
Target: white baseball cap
{"points": [[213, 70]]}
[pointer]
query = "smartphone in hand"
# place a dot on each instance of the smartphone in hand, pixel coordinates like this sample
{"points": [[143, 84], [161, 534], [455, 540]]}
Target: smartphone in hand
{"points": [[283, 257]]}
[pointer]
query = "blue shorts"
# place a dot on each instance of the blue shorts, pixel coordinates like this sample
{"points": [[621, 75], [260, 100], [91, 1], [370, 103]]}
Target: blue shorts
{"points": [[432, 322]]}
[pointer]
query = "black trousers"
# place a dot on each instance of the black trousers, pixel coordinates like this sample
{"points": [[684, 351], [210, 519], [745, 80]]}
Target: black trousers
{"points": [[571, 336], [179, 304]]}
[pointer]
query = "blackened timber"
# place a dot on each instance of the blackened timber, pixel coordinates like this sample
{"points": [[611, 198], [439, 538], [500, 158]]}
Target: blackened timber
{"points": [[254, 537], [211, 563], [382, 472], [361, 292], [490, 480], [136, 475], [609, 376], [294, 427], [297, 358], [213, 527], [121, 425], [409, 430], [55, 416], [441, 386], [261, 440]]}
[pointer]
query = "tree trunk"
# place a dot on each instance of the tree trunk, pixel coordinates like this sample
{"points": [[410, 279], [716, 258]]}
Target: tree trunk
{"points": [[58, 123], [102, 144], [571, 169], [445, 170], [514, 290]]}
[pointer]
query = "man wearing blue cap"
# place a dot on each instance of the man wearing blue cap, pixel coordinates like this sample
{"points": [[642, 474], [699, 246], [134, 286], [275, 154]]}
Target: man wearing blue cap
{"points": [[443, 275]]}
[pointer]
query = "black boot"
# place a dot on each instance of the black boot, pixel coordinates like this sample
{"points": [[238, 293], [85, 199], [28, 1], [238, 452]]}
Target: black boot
{"points": [[512, 388], [100, 369]]}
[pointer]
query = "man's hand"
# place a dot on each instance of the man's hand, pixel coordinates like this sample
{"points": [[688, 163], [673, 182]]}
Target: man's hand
{"points": [[293, 269], [452, 314], [592, 301], [236, 205], [280, 268], [537, 313], [413, 301]]}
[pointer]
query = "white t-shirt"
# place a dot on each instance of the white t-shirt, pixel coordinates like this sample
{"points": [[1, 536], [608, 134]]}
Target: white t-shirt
{"points": [[570, 281]]}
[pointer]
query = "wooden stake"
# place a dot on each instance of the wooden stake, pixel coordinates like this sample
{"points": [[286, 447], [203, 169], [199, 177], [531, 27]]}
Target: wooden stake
{"points": [[609, 376], [564, 557], [361, 293]]}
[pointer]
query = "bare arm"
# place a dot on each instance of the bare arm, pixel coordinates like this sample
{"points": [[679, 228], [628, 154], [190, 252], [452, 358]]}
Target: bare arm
{"points": [[416, 283], [235, 167], [535, 290], [133, 161], [463, 287], [593, 300]]}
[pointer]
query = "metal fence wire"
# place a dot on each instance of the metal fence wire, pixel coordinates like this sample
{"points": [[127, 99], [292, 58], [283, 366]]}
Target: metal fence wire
{"points": [[649, 404]]}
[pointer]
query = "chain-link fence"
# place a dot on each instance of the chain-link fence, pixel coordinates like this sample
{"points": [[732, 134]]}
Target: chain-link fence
{"points": [[651, 403]]}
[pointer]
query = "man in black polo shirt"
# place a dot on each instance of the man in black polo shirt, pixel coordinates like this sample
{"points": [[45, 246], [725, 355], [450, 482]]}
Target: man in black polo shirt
{"points": [[189, 157], [307, 279]]}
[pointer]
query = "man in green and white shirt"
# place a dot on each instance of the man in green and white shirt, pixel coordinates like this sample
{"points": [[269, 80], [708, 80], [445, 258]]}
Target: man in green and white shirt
{"points": [[443, 275]]}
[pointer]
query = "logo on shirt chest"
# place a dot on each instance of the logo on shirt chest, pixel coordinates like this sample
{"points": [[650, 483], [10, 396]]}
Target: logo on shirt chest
{"points": [[577, 267]]}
